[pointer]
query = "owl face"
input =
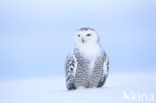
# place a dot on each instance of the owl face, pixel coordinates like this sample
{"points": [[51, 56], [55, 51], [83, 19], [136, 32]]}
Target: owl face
{"points": [[86, 35]]}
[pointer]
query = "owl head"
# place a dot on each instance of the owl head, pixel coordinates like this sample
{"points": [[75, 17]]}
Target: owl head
{"points": [[86, 35]]}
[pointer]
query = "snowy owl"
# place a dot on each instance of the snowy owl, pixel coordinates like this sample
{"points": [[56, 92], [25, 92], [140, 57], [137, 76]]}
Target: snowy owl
{"points": [[87, 65]]}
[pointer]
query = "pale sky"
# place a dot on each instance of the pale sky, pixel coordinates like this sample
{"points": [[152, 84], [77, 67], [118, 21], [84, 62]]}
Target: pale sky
{"points": [[37, 35]]}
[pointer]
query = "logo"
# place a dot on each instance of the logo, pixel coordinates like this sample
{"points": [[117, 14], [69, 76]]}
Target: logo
{"points": [[137, 97]]}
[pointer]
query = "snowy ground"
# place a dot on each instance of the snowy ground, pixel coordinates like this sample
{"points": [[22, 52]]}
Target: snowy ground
{"points": [[52, 90]]}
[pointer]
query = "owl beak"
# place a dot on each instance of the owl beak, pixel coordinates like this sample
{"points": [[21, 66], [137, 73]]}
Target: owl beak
{"points": [[83, 40]]}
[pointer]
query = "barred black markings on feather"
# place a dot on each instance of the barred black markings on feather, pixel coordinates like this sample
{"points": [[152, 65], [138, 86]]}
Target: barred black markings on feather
{"points": [[105, 66], [70, 72], [81, 77]]}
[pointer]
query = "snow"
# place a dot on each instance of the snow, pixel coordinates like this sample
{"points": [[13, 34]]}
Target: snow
{"points": [[52, 89]]}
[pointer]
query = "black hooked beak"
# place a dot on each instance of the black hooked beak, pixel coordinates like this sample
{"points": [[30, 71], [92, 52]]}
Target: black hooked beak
{"points": [[83, 40]]}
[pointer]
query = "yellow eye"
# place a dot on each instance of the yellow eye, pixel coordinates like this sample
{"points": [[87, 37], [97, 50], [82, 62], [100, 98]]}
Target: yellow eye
{"points": [[88, 35], [78, 35]]}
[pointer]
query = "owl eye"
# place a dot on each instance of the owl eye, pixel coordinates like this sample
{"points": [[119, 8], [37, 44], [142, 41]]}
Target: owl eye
{"points": [[78, 35], [88, 35]]}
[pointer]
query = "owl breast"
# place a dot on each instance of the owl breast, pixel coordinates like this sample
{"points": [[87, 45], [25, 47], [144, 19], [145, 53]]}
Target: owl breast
{"points": [[91, 52]]}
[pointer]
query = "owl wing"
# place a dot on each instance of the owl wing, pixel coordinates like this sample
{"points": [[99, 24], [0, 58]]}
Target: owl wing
{"points": [[105, 68], [70, 70]]}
